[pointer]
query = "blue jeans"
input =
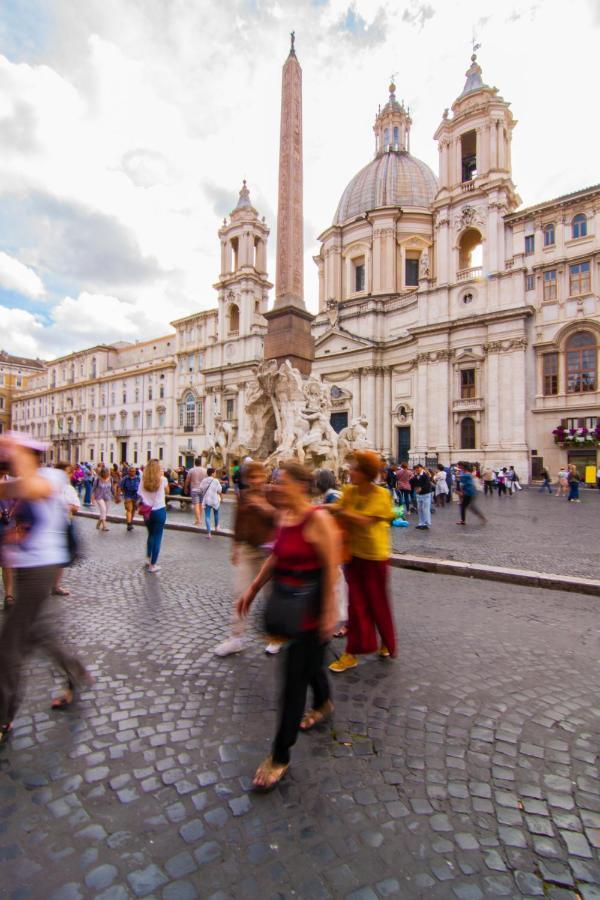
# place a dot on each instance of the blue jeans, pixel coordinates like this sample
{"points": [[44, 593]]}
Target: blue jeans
{"points": [[405, 497], [87, 497], [424, 508], [207, 512], [545, 485], [155, 525], [573, 491]]}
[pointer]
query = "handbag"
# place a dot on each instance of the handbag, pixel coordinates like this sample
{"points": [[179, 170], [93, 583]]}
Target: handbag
{"points": [[145, 510], [290, 606]]}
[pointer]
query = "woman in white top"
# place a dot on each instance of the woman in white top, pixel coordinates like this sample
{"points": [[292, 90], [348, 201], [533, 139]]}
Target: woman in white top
{"points": [[210, 490], [153, 492], [441, 486]]}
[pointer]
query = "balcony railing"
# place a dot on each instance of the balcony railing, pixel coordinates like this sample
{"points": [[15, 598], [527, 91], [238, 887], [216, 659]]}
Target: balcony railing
{"points": [[471, 274], [65, 437], [464, 404], [121, 432], [467, 186]]}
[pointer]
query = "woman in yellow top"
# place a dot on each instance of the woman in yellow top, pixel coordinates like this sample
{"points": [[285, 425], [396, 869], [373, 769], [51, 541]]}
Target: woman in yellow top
{"points": [[365, 511]]}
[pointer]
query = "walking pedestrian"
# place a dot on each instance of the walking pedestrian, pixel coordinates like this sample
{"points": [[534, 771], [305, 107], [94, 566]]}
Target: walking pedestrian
{"points": [[211, 491], [88, 482], [423, 488], [403, 486], [441, 486], [468, 495], [152, 496], [72, 506], [7, 507], [562, 488], [502, 481], [130, 486], [574, 480], [193, 480], [546, 485], [253, 530], [366, 512], [488, 479], [36, 547], [302, 564], [101, 495]]}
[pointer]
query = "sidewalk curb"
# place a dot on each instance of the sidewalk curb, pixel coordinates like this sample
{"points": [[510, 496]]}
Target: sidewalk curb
{"points": [[433, 565]]}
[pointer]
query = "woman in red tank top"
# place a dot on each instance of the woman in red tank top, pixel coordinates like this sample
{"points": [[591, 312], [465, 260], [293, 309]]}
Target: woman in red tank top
{"points": [[306, 547]]}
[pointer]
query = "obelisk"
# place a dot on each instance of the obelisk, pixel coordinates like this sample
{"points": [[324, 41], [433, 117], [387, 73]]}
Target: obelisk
{"points": [[289, 323]]}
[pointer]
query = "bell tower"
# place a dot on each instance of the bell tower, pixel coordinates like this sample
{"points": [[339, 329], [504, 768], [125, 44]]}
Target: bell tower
{"points": [[475, 178], [243, 285], [392, 126]]}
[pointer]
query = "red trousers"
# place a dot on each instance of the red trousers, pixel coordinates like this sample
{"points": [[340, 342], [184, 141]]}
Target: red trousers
{"points": [[368, 606]]}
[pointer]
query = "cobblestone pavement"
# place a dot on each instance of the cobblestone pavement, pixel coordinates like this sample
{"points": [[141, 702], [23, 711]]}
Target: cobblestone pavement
{"points": [[527, 531], [468, 768]]}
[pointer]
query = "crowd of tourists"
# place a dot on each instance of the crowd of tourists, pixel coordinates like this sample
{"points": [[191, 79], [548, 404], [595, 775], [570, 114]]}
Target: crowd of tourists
{"points": [[320, 551]]}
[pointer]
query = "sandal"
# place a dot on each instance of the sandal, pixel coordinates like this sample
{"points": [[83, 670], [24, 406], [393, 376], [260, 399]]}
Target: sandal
{"points": [[316, 717], [270, 774], [67, 699], [9, 601], [341, 632], [5, 732], [61, 592]]}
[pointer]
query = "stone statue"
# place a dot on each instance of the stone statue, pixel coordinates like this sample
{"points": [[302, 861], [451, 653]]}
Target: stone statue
{"points": [[424, 270], [222, 442], [354, 437]]}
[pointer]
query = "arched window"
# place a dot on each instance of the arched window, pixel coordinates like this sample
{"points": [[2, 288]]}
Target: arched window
{"points": [[579, 226], [467, 434], [582, 363], [190, 411], [234, 319], [396, 136], [470, 250], [386, 138], [549, 235]]}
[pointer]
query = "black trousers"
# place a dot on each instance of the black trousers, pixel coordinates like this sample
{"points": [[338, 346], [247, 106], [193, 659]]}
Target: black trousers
{"points": [[488, 488], [303, 665], [469, 503], [29, 626]]}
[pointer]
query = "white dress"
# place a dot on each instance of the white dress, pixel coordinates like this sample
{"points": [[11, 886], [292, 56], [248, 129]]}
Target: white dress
{"points": [[441, 485]]}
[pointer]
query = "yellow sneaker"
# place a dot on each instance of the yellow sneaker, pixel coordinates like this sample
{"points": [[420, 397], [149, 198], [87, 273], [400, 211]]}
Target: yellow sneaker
{"points": [[383, 652], [346, 661]]}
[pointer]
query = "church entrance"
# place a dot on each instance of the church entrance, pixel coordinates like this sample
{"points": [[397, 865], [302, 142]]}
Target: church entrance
{"points": [[403, 437]]}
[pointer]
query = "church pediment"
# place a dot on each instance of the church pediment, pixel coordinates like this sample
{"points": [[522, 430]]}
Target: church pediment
{"points": [[336, 341]]}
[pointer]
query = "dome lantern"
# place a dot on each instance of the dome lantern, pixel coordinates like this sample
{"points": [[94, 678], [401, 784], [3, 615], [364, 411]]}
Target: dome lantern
{"points": [[392, 126]]}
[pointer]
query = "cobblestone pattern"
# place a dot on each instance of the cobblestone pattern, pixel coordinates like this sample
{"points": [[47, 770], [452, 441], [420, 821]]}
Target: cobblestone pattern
{"points": [[529, 530], [468, 768]]}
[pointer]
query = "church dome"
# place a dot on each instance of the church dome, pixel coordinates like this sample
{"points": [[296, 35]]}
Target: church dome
{"points": [[393, 178]]}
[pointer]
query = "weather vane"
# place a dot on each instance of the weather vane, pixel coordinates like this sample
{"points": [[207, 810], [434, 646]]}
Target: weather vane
{"points": [[474, 43], [293, 39]]}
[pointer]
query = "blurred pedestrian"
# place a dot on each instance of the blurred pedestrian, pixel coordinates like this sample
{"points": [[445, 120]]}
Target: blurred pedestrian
{"points": [[423, 488], [573, 480], [366, 511], [37, 546], [468, 495], [102, 492], [488, 479], [88, 482], [211, 491], [7, 506], [152, 496], [441, 486], [72, 506], [194, 479], [253, 530], [303, 567], [546, 484], [562, 488], [130, 486], [403, 486]]}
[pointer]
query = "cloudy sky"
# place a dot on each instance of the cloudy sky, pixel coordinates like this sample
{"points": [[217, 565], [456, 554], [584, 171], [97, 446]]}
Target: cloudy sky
{"points": [[126, 127]]}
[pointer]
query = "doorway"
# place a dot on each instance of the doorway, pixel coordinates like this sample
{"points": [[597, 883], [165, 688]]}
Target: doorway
{"points": [[403, 432], [189, 462], [338, 421], [123, 451], [582, 459]]}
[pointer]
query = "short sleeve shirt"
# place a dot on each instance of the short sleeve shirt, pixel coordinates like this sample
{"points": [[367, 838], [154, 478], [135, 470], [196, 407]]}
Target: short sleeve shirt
{"points": [[372, 541]]}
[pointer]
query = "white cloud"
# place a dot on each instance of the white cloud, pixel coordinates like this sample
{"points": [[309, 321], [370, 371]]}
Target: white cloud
{"points": [[14, 276], [22, 333], [139, 121]]}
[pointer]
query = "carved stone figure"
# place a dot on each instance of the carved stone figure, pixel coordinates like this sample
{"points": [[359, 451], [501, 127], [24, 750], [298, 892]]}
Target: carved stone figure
{"points": [[354, 437]]}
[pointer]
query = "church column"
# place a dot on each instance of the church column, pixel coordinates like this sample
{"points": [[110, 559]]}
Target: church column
{"points": [[494, 146], [224, 261], [444, 395], [241, 410], [516, 365], [421, 405], [379, 408], [356, 405], [387, 411], [377, 260], [493, 398], [457, 162], [371, 405], [485, 150], [442, 248]]}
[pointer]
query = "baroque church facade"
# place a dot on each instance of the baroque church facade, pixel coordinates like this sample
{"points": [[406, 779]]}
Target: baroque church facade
{"points": [[461, 326]]}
